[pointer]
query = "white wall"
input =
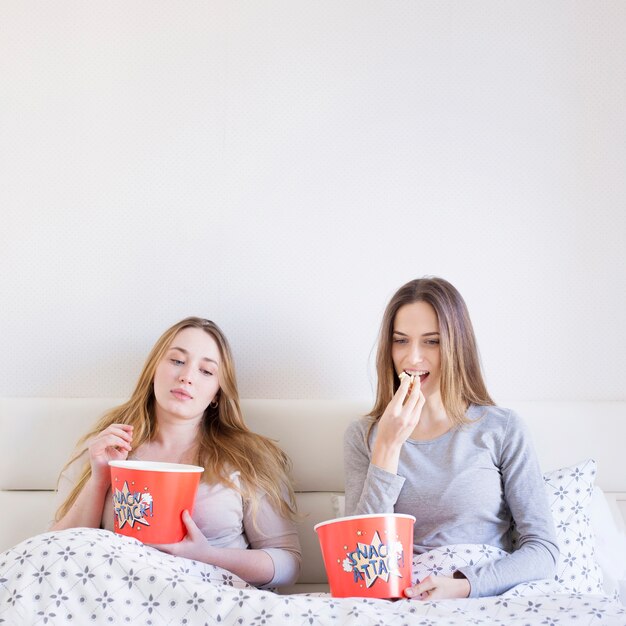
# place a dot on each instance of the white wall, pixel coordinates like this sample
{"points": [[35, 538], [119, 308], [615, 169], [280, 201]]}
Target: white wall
{"points": [[283, 166]]}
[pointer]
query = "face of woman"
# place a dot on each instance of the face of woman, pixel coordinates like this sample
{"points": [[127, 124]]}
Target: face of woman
{"points": [[186, 380], [415, 345]]}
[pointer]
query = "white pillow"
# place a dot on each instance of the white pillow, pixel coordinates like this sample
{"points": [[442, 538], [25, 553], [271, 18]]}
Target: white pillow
{"points": [[610, 543]]}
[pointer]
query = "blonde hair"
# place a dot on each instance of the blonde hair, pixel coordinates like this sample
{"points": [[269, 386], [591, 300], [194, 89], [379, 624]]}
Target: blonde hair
{"points": [[461, 382], [225, 443]]}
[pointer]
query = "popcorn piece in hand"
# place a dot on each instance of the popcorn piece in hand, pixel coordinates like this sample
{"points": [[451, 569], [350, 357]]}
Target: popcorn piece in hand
{"points": [[402, 376]]}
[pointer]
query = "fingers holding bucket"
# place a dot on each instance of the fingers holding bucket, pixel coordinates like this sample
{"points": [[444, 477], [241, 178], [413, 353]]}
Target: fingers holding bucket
{"points": [[191, 547], [439, 588], [421, 590]]}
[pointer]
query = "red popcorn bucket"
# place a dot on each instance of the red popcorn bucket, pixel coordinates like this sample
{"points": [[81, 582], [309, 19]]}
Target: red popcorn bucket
{"points": [[367, 555], [149, 499]]}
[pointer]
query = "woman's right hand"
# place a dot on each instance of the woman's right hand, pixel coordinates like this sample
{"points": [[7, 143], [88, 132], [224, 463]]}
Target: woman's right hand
{"points": [[397, 423], [112, 444]]}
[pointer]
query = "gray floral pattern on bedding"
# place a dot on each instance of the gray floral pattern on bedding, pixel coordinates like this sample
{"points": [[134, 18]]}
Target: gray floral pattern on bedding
{"points": [[85, 576]]}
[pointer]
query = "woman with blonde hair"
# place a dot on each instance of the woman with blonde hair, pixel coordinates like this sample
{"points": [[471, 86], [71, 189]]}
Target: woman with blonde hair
{"points": [[435, 446], [185, 409]]}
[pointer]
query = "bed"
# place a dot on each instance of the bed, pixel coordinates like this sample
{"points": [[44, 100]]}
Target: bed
{"points": [[88, 575]]}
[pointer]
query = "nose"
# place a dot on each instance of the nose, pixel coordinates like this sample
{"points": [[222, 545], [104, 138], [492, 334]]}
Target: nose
{"points": [[185, 377], [415, 354]]}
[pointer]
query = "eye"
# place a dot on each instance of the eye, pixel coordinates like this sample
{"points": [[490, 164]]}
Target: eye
{"points": [[432, 342], [206, 372], [177, 362], [397, 340]]}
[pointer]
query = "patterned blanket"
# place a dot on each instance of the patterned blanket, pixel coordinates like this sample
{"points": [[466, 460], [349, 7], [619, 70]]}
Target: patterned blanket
{"points": [[85, 576]]}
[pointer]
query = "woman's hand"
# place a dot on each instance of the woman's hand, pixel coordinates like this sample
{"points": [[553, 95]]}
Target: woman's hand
{"points": [[193, 546], [397, 423], [112, 444], [255, 566], [439, 588]]}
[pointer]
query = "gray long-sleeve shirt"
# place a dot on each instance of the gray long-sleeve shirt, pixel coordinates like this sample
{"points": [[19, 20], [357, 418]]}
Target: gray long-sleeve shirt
{"points": [[465, 486]]}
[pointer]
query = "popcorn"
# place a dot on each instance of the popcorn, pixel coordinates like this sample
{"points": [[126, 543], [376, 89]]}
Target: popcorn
{"points": [[404, 374]]}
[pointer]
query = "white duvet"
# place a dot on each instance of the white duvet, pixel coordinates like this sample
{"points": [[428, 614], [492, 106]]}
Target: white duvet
{"points": [[86, 576]]}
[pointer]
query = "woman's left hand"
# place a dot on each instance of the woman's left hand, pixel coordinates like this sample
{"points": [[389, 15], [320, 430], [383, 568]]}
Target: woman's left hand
{"points": [[193, 546], [439, 588]]}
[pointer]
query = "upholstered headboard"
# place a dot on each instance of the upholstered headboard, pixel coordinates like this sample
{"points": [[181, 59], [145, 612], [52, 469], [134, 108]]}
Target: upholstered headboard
{"points": [[37, 436]]}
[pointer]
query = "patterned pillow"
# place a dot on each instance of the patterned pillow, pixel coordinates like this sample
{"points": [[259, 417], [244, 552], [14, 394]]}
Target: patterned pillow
{"points": [[569, 492]]}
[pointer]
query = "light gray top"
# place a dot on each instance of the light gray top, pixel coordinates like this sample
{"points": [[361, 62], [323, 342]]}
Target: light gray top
{"points": [[465, 486]]}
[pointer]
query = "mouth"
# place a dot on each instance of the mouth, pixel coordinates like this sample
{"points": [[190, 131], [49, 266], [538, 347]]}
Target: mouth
{"points": [[181, 394], [423, 374]]}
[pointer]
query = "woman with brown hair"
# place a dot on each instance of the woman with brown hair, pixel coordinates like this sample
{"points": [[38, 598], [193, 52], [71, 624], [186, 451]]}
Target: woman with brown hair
{"points": [[435, 446], [185, 409]]}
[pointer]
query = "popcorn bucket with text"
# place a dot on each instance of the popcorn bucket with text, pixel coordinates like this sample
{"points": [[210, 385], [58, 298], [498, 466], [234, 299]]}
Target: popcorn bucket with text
{"points": [[368, 555], [149, 499]]}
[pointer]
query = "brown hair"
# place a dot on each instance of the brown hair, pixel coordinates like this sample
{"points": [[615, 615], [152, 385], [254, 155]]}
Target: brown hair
{"points": [[225, 443], [461, 382]]}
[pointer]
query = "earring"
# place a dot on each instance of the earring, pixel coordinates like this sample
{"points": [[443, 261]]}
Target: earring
{"points": [[214, 404]]}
